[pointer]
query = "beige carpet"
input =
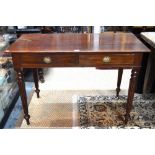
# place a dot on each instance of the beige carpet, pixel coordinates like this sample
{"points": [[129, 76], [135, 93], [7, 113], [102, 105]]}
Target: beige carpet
{"points": [[57, 109]]}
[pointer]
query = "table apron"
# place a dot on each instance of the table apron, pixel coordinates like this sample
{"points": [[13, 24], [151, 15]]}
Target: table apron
{"points": [[99, 60]]}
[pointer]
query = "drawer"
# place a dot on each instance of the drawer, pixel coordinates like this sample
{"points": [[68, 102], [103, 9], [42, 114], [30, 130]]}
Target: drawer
{"points": [[106, 59], [46, 60]]}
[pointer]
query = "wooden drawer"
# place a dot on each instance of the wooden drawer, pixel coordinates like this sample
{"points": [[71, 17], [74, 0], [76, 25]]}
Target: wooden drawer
{"points": [[46, 60], [106, 59]]}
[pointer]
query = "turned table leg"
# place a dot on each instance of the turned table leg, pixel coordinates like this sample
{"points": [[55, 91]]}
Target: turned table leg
{"points": [[41, 75], [22, 92], [36, 80], [131, 92], [120, 72]]}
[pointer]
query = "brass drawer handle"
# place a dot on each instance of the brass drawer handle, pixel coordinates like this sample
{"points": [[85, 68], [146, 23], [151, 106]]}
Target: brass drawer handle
{"points": [[106, 59], [47, 60]]}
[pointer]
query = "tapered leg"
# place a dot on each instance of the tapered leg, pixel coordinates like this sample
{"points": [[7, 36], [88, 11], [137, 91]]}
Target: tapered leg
{"points": [[35, 77], [120, 72], [131, 92], [22, 92], [41, 75]]}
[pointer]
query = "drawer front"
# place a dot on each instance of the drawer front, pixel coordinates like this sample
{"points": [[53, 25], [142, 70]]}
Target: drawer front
{"points": [[106, 59], [46, 60]]}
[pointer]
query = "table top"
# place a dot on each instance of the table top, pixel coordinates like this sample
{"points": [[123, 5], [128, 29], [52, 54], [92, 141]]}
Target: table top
{"points": [[72, 42], [149, 37]]}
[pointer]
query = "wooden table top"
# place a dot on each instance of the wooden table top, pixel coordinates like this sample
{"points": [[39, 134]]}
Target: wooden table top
{"points": [[71, 42]]}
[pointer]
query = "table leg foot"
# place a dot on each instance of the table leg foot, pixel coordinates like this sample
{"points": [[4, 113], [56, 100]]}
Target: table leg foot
{"points": [[127, 117], [37, 92], [27, 118], [117, 92]]}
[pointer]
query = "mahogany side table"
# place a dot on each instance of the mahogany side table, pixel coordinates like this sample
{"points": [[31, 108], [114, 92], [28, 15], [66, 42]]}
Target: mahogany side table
{"points": [[107, 50]]}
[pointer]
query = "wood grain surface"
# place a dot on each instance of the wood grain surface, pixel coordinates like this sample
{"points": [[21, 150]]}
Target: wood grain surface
{"points": [[104, 42]]}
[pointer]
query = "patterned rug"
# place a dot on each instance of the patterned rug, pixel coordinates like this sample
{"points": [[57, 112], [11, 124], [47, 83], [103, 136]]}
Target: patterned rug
{"points": [[108, 111]]}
